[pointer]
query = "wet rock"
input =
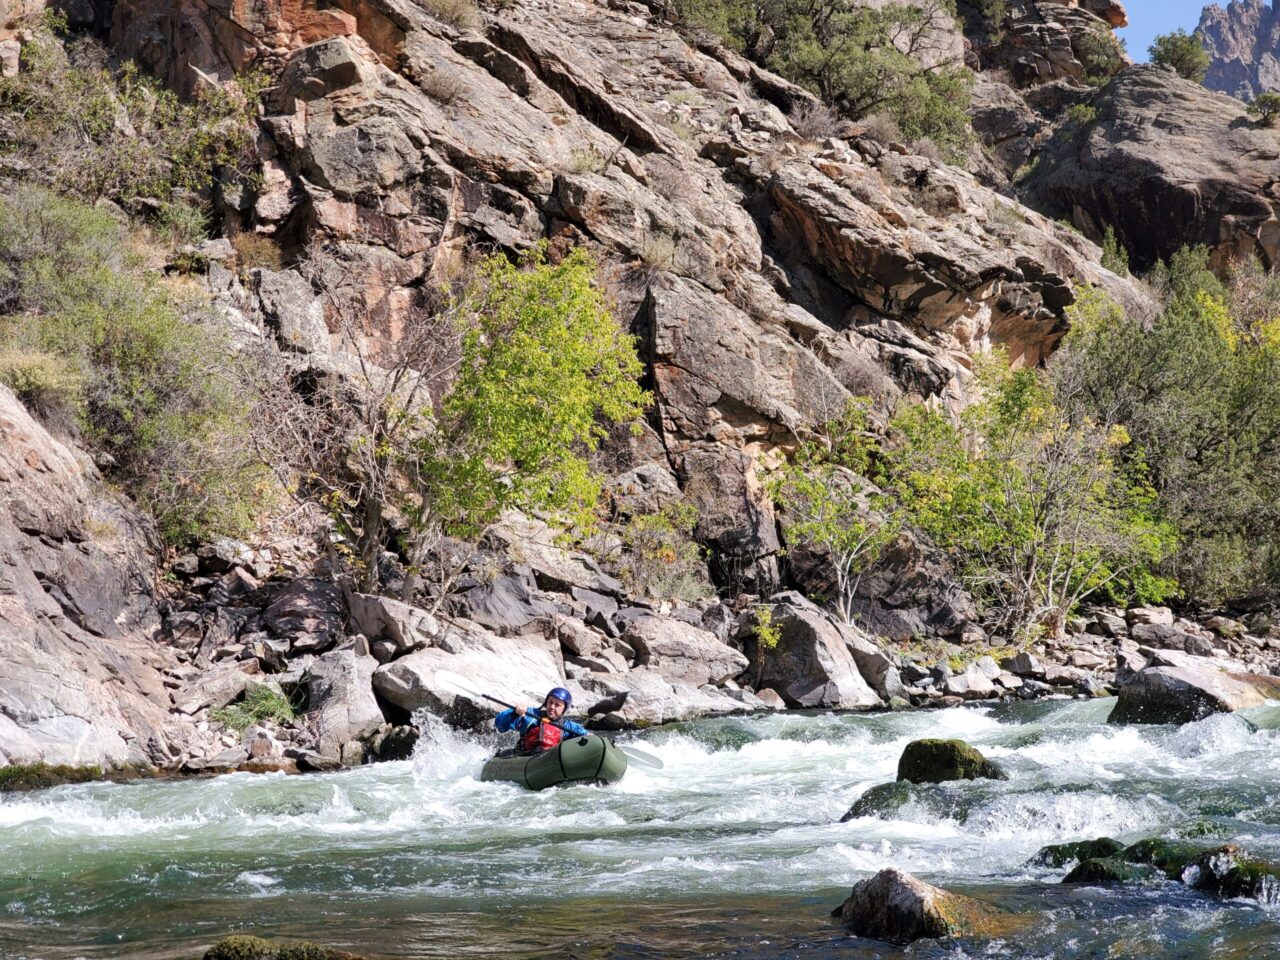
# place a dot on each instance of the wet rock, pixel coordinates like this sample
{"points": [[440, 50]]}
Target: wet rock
{"points": [[394, 743], [882, 800], [1170, 857], [1177, 688], [1107, 871], [1060, 854], [340, 696], [309, 612], [937, 761], [309, 760], [899, 908], [681, 652], [812, 665], [1230, 872]]}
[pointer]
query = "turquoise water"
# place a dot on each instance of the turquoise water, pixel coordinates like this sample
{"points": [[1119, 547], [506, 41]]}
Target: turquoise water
{"points": [[734, 849]]}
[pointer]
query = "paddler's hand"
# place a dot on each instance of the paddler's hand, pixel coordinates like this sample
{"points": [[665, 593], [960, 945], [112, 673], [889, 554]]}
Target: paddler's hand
{"points": [[519, 711]]}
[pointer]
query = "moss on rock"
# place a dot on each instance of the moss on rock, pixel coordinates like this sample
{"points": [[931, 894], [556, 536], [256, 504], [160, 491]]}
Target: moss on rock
{"points": [[1171, 857], [247, 947], [1060, 854], [1105, 871], [39, 776], [883, 798], [937, 761], [1230, 872]]}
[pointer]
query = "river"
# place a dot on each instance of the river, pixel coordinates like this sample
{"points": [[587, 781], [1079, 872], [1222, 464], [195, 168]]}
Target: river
{"points": [[734, 849]]}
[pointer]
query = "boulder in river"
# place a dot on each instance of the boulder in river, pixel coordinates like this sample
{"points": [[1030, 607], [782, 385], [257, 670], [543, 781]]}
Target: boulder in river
{"points": [[1060, 854], [1179, 688], [883, 798], [899, 908], [937, 761], [340, 695], [1230, 872], [1107, 871]]}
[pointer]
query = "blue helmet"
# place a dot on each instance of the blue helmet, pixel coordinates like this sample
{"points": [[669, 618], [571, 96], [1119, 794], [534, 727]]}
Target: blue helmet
{"points": [[561, 694]]}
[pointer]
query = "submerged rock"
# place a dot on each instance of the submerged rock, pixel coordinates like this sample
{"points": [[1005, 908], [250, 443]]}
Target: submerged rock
{"points": [[883, 798], [899, 908], [1060, 854], [937, 761]]}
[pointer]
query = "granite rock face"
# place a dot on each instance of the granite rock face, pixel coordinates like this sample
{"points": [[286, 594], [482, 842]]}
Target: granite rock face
{"points": [[1166, 163], [82, 681], [768, 279]]}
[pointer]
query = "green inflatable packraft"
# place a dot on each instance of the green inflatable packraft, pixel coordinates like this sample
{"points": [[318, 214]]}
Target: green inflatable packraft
{"points": [[582, 759]]}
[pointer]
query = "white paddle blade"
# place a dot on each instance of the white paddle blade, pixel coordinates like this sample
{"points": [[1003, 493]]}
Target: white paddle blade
{"points": [[640, 756]]}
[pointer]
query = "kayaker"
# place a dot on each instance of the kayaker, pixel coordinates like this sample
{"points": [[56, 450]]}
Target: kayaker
{"points": [[536, 733]]}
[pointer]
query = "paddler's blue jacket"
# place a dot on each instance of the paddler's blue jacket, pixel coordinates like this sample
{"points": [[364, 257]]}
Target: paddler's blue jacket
{"points": [[508, 720]]}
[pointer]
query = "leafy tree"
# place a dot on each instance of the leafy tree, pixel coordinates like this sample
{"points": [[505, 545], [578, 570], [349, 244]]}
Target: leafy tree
{"points": [[830, 506], [490, 401], [1199, 393], [1182, 52], [1035, 507], [863, 60], [657, 555], [1266, 107]]}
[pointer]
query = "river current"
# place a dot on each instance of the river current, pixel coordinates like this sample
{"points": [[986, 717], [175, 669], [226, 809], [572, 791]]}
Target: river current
{"points": [[734, 849]]}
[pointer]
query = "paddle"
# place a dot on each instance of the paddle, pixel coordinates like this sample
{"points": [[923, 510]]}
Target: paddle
{"points": [[460, 685]]}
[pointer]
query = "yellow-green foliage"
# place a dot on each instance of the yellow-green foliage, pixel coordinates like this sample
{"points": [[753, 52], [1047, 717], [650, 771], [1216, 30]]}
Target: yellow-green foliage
{"points": [[86, 330], [828, 506], [545, 369], [96, 131], [1198, 391], [1114, 256], [1036, 505]]}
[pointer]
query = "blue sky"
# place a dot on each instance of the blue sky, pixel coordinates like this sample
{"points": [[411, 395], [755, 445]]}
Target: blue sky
{"points": [[1149, 17]]}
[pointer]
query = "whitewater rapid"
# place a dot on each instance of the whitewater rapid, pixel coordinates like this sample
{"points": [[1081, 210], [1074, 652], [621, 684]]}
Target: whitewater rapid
{"points": [[418, 858]]}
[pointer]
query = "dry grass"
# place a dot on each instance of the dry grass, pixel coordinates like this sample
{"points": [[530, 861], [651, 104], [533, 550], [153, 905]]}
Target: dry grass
{"points": [[463, 14], [814, 121], [443, 87], [255, 250]]}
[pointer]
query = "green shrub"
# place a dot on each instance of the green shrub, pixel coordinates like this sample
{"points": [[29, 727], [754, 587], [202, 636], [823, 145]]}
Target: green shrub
{"points": [[96, 132], [1183, 52], [1100, 53], [1114, 256], [853, 57], [84, 324], [1198, 391], [1036, 507], [1082, 113], [49, 385], [659, 557]]}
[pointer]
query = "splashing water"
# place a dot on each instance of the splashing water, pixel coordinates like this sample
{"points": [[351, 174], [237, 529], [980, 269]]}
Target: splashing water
{"points": [[733, 849]]}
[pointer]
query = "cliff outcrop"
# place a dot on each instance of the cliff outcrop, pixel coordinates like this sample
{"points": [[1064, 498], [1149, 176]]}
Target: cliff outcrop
{"points": [[1243, 42]]}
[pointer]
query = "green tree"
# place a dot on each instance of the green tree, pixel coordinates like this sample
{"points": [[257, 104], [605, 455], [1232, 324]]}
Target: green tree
{"points": [[1266, 107], [1114, 256], [1035, 507], [830, 506], [861, 59], [1182, 52], [1199, 392], [1100, 53]]}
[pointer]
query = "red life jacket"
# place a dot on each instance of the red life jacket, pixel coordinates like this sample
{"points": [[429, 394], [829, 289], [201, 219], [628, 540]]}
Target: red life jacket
{"points": [[542, 736]]}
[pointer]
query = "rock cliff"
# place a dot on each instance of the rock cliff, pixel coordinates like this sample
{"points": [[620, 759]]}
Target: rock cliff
{"points": [[1243, 41]]}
